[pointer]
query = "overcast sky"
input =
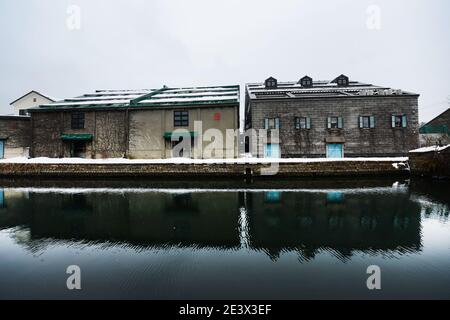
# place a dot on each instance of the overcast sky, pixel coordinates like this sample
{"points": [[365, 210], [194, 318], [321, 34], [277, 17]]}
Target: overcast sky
{"points": [[146, 44]]}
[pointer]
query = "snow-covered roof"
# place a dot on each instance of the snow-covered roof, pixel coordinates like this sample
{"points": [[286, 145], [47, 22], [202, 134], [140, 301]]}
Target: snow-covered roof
{"points": [[430, 149], [149, 98], [319, 88]]}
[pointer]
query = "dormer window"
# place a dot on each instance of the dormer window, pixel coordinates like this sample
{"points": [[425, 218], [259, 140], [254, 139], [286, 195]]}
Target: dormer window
{"points": [[341, 81], [306, 82], [271, 83]]}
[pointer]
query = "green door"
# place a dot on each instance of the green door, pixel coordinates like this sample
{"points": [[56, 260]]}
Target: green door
{"points": [[2, 149], [335, 150], [272, 150]]}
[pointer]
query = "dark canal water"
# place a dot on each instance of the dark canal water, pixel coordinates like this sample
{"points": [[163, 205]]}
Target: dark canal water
{"points": [[183, 240]]}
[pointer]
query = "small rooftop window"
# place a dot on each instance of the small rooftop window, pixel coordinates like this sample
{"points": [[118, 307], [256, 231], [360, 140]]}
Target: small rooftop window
{"points": [[306, 82], [271, 83], [341, 81]]}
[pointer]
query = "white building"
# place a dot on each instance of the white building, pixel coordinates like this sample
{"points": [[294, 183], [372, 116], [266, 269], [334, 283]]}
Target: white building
{"points": [[29, 100]]}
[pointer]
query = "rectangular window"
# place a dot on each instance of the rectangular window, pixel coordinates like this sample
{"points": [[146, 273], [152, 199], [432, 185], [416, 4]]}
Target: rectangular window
{"points": [[335, 123], [399, 121], [181, 118], [77, 121], [23, 112], [367, 122], [302, 123], [271, 123]]}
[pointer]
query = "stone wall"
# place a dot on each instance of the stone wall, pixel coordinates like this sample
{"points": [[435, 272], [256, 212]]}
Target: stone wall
{"points": [[147, 128], [109, 129], [16, 133], [383, 140], [431, 164], [122, 133], [286, 170]]}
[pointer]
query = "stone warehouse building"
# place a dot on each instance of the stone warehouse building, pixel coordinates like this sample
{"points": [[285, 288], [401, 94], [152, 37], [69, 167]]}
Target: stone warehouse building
{"points": [[133, 123], [15, 136], [333, 118]]}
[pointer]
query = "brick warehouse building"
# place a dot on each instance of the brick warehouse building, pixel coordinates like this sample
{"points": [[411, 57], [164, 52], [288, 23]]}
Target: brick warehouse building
{"points": [[333, 118], [131, 123]]}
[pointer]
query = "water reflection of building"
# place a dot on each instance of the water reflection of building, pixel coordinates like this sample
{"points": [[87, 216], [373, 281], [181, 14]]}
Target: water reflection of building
{"points": [[304, 221], [308, 222], [147, 219]]}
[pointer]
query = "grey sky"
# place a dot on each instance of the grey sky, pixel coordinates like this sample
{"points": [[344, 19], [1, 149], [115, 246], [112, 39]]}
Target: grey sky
{"points": [[145, 44]]}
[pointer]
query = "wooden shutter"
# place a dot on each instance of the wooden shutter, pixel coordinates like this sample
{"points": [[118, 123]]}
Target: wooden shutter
{"points": [[329, 123], [340, 123], [372, 121], [266, 123], [308, 123], [277, 123], [404, 121], [393, 121], [360, 122]]}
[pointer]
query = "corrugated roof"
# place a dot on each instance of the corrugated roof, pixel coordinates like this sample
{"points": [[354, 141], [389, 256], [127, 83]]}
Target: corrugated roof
{"points": [[165, 96], [321, 88]]}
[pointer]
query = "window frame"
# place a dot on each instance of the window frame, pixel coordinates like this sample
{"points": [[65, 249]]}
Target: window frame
{"points": [[370, 122], [276, 123], [183, 118], [298, 123], [339, 123], [402, 123], [77, 120]]}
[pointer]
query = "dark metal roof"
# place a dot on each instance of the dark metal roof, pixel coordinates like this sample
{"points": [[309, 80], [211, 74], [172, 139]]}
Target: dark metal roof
{"points": [[320, 89], [145, 98]]}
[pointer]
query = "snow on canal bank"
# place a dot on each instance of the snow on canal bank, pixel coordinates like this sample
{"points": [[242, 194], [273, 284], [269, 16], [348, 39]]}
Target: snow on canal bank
{"points": [[23, 160]]}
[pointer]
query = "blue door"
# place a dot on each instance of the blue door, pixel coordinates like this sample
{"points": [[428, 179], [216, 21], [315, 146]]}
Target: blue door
{"points": [[335, 150], [2, 149], [272, 150]]}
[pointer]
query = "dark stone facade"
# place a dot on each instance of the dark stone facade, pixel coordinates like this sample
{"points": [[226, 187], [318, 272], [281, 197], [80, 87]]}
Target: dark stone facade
{"points": [[108, 128], [431, 164], [15, 131], [382, 140]]}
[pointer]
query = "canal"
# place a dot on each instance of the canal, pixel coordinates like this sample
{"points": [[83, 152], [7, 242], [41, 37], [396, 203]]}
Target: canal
{"points": [[225, 240]]}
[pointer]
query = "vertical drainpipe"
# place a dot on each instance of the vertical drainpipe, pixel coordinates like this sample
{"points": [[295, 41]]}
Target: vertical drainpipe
{"points": [[60, 143], [127, 132], [32, 137], [93, 144]]}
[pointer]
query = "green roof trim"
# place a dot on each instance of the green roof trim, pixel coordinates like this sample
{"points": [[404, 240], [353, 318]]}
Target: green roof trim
{"points": [[426, 129], [169, 135], [76, 136], [187, 104]]}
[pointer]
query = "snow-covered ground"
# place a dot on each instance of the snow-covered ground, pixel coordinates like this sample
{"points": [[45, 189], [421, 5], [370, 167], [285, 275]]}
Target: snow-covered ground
{"points": [[396, 187], [430, 149], [189, 161]]}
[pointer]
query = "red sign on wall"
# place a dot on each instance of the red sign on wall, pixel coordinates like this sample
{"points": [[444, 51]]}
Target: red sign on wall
{"points": [[217, 116]]}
